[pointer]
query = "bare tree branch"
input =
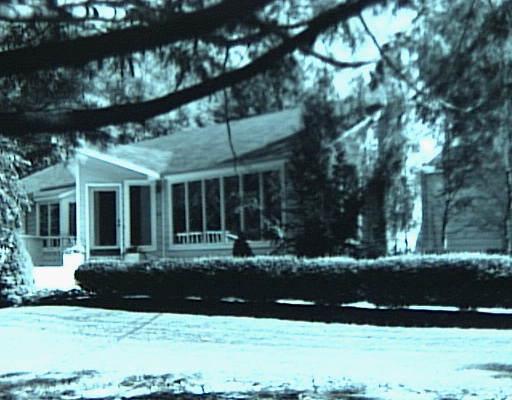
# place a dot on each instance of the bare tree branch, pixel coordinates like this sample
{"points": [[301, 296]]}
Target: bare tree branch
{"points": [[77, 52], [23, 123], [420, 93], [277, 29], [334, 62]]}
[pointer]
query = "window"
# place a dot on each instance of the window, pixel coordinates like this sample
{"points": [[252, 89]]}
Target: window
{"points": [[272, 206], [49, 219], [251, 206], [72, 219], [207, 211], [232, 204], [49, 224], [140, 215], [212, 200], [179, 214], [195, 208]]}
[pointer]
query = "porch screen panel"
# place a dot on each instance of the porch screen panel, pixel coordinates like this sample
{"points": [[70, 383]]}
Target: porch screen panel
{"points": [[54, 220], [105, 222], [140, 215], [232, 204], [251, 206], [272, 209], [179, 216], [195, 206], [212, 198], [72, 219], [43, 220]]}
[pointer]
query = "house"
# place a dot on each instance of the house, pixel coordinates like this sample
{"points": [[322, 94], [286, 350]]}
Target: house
{"points": [[185, 194], [474, 218]]}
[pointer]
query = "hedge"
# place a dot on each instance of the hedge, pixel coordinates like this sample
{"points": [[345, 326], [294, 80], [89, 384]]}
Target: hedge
{"points": [[461, 280]]}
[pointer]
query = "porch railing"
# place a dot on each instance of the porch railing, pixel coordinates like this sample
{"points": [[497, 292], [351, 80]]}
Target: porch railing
{"points": [[60, 242], [47, 250], [204, 237]]}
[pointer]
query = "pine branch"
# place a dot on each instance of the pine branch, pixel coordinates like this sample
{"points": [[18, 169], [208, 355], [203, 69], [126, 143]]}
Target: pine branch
{"points": [[23, 123], [77, 52]]}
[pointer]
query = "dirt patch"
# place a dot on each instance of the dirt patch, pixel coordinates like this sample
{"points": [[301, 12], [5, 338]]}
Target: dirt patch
{"points": [[47, 386], [157, 387], [503, 370]]}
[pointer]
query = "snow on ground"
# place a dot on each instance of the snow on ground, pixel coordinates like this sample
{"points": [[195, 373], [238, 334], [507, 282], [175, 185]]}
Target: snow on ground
{"points": [[113, 350], [55, 278]]}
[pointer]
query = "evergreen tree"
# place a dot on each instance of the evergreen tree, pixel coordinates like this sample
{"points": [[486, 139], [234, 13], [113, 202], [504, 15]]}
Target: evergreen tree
{"points": [[15, 267], [326, 202]]}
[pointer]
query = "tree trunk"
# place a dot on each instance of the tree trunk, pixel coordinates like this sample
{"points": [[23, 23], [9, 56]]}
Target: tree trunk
{"points": [[444, 223]]}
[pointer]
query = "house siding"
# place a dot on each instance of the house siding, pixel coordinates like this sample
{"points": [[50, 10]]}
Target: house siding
{"points": [[474, 228]]}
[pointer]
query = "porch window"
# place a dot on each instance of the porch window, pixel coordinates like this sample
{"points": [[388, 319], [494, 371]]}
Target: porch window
{"points": [[179, 211], [72, 219], [195, 208], [232, 203], [209, 210], [140, 215], [252, 206], [212, 204], [49, 223]]}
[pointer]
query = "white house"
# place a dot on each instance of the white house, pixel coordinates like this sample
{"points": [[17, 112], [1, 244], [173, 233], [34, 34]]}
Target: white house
{"points": [[184, 194]]}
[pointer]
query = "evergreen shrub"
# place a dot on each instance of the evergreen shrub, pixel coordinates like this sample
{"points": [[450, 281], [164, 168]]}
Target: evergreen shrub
{"points": [[461, 280]]}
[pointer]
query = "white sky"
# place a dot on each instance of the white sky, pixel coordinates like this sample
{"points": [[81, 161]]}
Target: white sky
{"points": [[384, 26]]}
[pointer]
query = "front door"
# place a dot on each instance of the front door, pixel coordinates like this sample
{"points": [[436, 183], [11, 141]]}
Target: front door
{"points": [[104, 220]]}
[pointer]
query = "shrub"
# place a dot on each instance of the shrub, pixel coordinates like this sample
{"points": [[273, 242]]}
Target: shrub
{"points": [[253, 278], [15, 263], [462, 280], [16, 281]]}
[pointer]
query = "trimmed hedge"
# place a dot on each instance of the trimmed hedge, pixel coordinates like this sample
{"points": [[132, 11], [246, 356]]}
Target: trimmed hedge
{"points": [[461, 280]]}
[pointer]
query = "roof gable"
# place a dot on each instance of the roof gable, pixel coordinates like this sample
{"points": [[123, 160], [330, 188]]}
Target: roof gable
{"points": [[54, 177]]}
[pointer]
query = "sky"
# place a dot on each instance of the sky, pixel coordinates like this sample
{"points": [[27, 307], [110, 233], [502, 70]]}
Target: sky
{"points": [[384, 26]]}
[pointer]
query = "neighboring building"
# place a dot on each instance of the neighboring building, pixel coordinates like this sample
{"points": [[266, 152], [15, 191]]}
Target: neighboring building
{"points": [[171, 196], [474, 219]]}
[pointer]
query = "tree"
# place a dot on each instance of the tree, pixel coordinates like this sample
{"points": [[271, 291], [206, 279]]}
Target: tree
{"points": [[15, 268], [227, 22], [399, 210], [276, 89], [325, 186], [205, 46], [463, 64]]}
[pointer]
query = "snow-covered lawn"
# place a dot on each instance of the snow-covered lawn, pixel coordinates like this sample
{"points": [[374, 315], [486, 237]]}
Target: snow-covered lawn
{"points": [[54, 278], [95, 352]]}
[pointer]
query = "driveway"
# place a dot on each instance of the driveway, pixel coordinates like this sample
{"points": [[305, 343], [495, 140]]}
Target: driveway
{"points": [[69, 352]]}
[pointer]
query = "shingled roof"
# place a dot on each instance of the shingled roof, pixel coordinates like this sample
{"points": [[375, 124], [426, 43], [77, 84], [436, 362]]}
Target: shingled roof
{"points": [[256, 138], [56, 177], [208, 147]]}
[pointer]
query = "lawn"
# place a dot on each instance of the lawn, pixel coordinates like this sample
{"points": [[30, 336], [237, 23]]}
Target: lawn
{"points": [[62, 352]]}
